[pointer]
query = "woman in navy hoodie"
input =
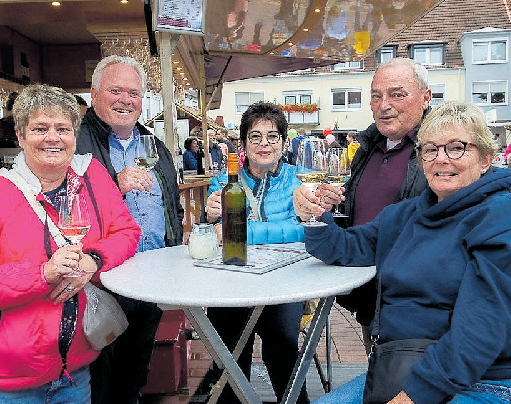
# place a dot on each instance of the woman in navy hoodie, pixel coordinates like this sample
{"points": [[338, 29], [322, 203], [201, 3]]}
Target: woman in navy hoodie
{"points": [[444, 261]]}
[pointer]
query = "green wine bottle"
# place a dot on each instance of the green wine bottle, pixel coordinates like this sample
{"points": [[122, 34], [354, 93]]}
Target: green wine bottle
{"points": [[234, 217]]}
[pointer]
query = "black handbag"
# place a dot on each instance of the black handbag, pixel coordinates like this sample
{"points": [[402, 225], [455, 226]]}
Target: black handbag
{"points": [[390, 363]]}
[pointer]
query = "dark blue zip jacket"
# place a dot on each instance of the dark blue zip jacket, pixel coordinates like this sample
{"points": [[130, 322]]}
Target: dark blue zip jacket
{"points": [[446, 275]]}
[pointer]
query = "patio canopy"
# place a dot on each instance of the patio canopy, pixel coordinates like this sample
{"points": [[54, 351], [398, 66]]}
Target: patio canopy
{"points": [[238, 38], [241, 38]]}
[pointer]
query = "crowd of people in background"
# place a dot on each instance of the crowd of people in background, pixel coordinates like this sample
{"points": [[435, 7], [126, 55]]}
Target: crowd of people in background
{"points": [[220, 145]]}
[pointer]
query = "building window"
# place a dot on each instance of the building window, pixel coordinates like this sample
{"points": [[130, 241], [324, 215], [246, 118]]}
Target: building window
{"points": [[308, 70], [428, 54], [297, 97], [345, 99], [386, 53], [437, 94], [490, 51], [489, 92], [147, 102], [244, 100], [346, 66]]}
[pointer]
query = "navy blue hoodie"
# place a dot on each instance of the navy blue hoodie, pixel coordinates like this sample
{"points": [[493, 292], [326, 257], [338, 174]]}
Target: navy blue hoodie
{"points": [[446, 275]]}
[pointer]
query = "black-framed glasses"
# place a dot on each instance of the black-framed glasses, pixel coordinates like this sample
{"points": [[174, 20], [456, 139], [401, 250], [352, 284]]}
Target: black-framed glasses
{"points": [[454, 150], [255, 137]]}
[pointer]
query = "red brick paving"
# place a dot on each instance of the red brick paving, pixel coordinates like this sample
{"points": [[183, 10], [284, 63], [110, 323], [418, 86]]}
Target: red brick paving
{"points": [[347, 348]]}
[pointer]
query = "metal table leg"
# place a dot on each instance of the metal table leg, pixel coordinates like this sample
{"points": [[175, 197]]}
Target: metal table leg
{"points": [[307, 350], [328, 355], [221, 355], [238, 349]]}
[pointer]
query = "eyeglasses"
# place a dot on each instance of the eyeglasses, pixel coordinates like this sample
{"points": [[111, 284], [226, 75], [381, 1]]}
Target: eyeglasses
{"points": [[255, 137], [453, 150]]}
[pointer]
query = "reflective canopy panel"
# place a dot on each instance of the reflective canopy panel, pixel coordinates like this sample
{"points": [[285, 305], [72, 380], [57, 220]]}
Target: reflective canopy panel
{"points": [[340, 30], [245, 39], [242, 39]]}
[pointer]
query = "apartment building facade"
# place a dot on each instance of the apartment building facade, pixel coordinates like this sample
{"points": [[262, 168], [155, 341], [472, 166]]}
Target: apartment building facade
{"points": [[463, 43]]}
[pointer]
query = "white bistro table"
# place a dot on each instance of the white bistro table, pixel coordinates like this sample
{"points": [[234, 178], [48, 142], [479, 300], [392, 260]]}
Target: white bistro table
{"points": [[168, 277]]}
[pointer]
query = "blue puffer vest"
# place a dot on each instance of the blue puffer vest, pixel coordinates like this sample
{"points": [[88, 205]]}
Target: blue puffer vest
{"points": [[278, 222]]}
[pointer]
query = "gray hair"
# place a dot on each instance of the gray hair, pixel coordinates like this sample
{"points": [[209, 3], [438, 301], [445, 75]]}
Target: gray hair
{"points": [[421, 73], [459, 114], [42, 97], [115, 59]]}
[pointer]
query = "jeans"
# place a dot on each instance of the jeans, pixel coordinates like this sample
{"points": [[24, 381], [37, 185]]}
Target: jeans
{"points": [[279, 328], [349, 393], [487, 392], [59, 391]]}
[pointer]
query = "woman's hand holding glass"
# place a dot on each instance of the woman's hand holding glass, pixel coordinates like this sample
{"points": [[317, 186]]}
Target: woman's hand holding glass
{"points": [[66, 287], [307, 203], [213, 206], [329, 195], [63, 262]]}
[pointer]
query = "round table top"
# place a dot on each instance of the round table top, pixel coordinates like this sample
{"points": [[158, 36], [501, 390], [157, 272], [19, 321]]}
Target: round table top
{"points": [[167, 276]]}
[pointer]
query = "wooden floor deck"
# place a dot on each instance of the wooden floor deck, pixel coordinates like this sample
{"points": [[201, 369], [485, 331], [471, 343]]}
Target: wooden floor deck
{"points": [[348, 360]]}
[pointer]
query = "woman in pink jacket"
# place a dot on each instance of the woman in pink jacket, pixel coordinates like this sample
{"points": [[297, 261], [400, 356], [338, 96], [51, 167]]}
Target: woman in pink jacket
{"points": [[44, 355]]}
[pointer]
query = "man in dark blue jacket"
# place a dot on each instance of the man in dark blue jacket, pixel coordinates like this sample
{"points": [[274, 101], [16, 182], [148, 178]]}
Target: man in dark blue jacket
{"points": [[109, 131]]}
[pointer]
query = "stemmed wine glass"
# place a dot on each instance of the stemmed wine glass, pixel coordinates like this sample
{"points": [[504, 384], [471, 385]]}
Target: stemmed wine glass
{"points": [[146, 154], [339, 171], [74, 222], [312, 168]]}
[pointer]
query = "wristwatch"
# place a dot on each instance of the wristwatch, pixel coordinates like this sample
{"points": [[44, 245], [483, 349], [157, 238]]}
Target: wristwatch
{"points": [[96, 257]]}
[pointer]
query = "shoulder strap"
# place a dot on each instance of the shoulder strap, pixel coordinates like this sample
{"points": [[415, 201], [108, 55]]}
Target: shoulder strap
{"points": [[23, 186], [93, 198], [250, 196], [375, 334]]}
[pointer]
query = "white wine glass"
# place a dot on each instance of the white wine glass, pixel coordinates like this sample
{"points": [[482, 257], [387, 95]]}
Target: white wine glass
{"points": [[339, 172], [312, 168], [74, 222], [146, 154]]}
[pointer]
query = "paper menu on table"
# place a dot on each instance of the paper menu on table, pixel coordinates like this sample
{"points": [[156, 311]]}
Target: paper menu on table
{"points": [[260, 259]]}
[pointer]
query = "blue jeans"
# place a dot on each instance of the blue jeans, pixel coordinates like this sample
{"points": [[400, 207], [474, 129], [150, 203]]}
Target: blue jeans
{"points": [[490, 392], [349, 393], [59, 391]]}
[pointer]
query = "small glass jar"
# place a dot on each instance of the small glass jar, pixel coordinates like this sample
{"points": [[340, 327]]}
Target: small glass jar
{"points": [[203, 241]]}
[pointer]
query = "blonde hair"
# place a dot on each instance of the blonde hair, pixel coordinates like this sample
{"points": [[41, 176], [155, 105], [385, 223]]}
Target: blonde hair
{"points": [[42, 97], [459, 114]]}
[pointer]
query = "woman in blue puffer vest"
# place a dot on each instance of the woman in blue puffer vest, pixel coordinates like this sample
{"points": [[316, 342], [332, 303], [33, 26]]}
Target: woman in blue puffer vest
{"points": [[263, 132], [278, 222]]}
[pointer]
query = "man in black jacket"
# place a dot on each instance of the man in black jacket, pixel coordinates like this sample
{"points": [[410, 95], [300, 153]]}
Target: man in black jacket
{"points": [[384, 169], [222, 137], [110, 131]]}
